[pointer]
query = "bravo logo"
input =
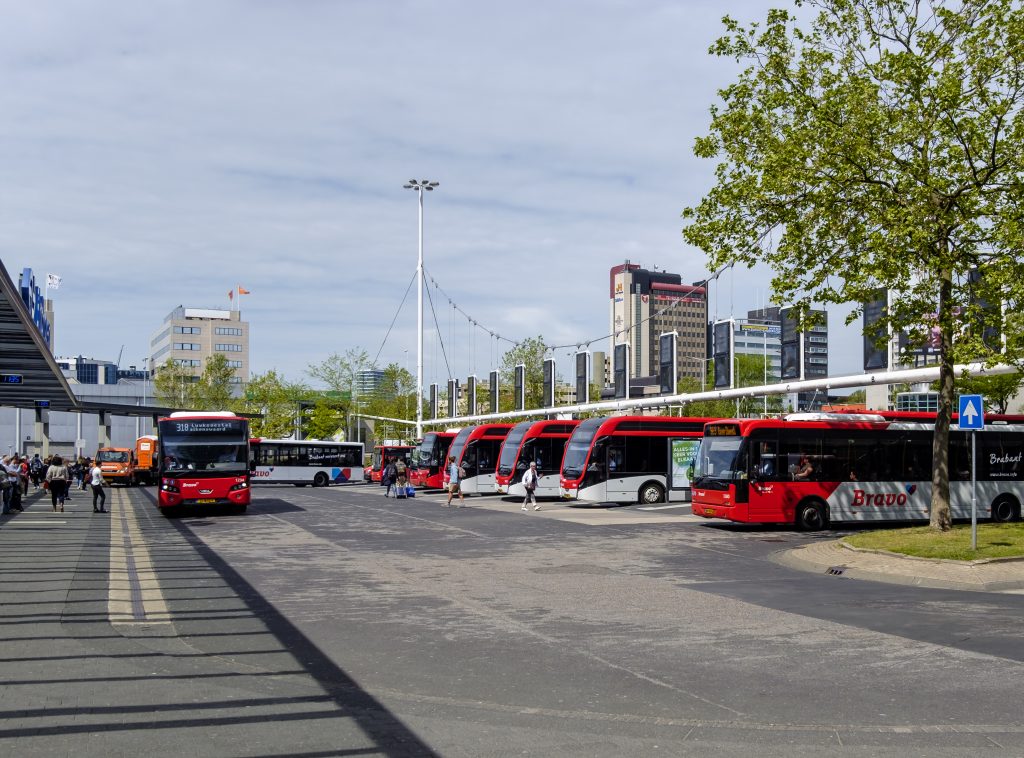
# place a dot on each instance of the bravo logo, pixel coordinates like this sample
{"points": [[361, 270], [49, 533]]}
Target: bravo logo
{"points": [[263, 472], [864, 499]]}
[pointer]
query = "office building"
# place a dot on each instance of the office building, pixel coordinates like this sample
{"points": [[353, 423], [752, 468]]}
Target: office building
{"points": [[815, 351], [190, 336], [646, 304], [368, 381], [88, 370]]}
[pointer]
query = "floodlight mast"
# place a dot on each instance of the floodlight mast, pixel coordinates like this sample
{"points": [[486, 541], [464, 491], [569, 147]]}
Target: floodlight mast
{"points": [[420, 186]]}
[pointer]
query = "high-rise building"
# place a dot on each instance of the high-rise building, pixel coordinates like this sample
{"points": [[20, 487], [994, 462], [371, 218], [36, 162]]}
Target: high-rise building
{"points": [[190, 336], [646, 304], [368, 381], [815, 347]]}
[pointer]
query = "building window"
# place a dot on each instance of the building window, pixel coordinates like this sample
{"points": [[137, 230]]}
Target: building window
{"points": [[235, 364], [187, 346], [87, 373], [188, 330], [160, 337], [228, 330], [226, 347], [187, 362]]}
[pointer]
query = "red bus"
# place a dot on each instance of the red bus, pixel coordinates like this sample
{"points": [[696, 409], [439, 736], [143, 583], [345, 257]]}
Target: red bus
{"points": [[429, 459], [204, 460], [630, 459], [540, 442], [476, 449], [381, 455], [813, 469]]}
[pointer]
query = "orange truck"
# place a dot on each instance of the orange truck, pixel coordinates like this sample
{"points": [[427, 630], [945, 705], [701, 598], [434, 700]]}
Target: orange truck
{"points": [[146, 459], [117, 464]]}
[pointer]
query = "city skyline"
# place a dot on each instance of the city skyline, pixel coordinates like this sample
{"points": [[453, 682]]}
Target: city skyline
{"points": [[165, 157]]}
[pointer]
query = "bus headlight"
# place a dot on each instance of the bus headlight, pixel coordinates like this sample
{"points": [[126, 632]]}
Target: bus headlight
{"points": [[169, 485], [239, 486]]}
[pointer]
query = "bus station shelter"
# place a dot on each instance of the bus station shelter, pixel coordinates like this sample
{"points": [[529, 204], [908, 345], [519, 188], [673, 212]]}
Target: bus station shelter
{"points": [[30, 378]]}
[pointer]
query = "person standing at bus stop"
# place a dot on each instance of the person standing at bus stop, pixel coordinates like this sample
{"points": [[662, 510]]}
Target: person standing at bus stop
{"points": [[530, 480], [454, 487]]}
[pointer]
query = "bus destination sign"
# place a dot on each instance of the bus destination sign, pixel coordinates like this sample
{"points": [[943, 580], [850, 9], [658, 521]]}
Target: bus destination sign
{"points": [[722, 430]]}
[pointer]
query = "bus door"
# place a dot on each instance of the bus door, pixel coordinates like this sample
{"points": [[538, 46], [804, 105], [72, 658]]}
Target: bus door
{"points": [[767, 472], [681, 451], [619, 486]]}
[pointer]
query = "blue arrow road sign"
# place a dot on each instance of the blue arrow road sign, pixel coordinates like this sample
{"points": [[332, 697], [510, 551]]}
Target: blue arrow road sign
{"points": [[972, 412]]}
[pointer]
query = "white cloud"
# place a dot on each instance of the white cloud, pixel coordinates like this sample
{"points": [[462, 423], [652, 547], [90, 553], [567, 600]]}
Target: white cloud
{"points": [[161, 153]]}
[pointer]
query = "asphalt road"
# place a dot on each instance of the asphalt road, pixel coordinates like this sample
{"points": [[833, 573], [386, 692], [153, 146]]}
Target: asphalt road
{"points": [[338, 622]]}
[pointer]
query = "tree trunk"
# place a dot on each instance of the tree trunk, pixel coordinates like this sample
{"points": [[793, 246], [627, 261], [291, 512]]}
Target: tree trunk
{"points": [[940, 512]]}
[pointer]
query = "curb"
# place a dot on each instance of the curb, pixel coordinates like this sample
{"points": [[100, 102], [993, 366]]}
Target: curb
{"points": [[791, 558], [949, 561]]}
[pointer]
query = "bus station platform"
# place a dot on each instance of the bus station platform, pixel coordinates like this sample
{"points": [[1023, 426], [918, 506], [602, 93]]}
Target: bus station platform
{"points": [[840, 560]]}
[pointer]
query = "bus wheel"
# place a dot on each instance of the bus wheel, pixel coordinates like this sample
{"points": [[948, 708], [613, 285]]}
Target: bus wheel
{"points": [[811, 516], [651, 492], [320, 480], [1005, 509]]}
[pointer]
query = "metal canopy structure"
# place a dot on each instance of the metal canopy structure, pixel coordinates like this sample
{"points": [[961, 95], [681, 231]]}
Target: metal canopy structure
{"points": [[24, 353]]}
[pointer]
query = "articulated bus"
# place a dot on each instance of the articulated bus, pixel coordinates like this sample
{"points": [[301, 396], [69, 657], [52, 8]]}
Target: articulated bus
{"points": [[540, 442], [381, 455], [813, 469], [476, 449], [429, 459], [204, 460], [302, 462], [630, 459]]}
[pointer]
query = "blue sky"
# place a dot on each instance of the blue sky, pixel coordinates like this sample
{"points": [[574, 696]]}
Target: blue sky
{"points": [[160, 153]]}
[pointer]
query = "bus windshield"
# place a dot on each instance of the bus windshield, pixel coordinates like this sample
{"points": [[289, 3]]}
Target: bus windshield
{"points": [[204, 447], [720, 458], [459, 442], [427, 453], [511, 448], [578, 446]]}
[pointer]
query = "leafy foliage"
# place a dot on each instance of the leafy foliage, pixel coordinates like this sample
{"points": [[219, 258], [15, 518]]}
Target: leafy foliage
{"points": [[880, 149]]}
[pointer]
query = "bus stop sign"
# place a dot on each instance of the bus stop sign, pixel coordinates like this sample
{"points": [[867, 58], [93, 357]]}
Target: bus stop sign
{"points": [[972, 412]]}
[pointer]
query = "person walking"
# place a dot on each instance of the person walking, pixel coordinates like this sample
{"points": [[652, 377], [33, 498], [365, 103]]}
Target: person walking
{"points": [[388, 477], [36, 470], [530, 481], [454, 477], [96, 482], [57, 478], [401, 480]]}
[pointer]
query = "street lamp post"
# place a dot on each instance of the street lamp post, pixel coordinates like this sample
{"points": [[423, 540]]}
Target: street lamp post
{"points": [[419, 186]]}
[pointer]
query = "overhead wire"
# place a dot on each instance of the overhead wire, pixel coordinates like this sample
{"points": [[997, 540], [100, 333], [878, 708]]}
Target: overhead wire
{"points": [[384, 341]]}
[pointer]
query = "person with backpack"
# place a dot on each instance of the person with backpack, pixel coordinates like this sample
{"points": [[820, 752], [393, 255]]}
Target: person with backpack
{"points": [[455, 474], [35, 470], [388, 476], [530, 481]]}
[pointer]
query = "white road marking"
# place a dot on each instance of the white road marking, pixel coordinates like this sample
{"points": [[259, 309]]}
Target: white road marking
{"points": [[663, 507]]}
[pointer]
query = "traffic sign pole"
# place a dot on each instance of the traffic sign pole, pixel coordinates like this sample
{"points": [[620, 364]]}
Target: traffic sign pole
{"points": [[972, 418], [974, 491]]}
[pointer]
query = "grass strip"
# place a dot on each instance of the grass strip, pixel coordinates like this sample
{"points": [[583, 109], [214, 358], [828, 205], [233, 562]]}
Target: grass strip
{"points": [[994, 541]]}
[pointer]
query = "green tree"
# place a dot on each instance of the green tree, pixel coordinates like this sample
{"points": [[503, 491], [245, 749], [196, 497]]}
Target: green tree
{"points": [[857, 397], [881, 148], [395, 396], [529, 352], [338, 372], [324, 420], [749, 373], [997, 390], [174, 386], [277, 400], [213, 391]]}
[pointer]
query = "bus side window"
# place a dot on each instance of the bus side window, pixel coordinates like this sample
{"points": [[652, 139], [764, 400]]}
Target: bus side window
{"points": [[616, 458], [764, 461]]}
